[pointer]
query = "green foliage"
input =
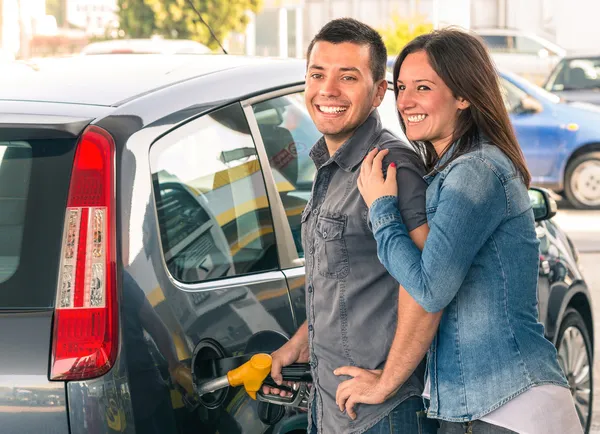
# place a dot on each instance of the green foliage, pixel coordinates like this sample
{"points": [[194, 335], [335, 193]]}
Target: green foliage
{"points": [[402, 31], [177, 19]]}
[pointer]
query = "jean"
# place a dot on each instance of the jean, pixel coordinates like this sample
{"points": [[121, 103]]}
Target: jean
{"points": [[474, 427], [407, 418]]}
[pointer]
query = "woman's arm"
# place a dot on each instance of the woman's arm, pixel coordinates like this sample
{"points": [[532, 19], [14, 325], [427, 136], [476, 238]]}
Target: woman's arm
{"points": [[472, 204]]}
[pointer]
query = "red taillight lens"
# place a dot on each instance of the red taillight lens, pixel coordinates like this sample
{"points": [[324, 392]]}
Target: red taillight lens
{"points": [[85, 323]]}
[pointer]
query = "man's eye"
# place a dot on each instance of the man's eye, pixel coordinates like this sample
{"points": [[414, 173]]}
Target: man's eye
{"points": [[349, 78], [317, 76]]}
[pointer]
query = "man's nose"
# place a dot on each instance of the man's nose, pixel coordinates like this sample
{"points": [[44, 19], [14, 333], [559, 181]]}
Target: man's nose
{"points": [[329, 87]]}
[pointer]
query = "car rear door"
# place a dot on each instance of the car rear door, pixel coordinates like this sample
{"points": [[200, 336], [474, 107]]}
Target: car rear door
{"points": [[201, 273], [36, 155]]}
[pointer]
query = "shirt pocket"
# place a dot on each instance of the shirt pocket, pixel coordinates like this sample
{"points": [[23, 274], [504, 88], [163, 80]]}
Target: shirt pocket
{"points": [[332, 254]]}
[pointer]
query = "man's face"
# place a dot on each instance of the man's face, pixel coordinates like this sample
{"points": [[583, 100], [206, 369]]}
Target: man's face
{"points": [[340, 91]]}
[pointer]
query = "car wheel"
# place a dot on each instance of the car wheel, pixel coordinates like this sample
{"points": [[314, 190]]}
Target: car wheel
{"points": [[575, 358], [582, 181]]}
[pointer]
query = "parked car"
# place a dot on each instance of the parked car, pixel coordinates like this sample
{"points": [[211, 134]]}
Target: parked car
{"points": [[523, 53], [560, 140], [576, 78], [146, 46], [150, 240]]}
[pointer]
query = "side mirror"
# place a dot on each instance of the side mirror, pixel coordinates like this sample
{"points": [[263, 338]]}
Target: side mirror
{"points": [[544, 207], [531, 105]]}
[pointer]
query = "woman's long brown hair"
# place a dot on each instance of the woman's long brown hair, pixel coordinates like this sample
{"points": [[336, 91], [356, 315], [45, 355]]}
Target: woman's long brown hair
{"points": [[461, 60]]}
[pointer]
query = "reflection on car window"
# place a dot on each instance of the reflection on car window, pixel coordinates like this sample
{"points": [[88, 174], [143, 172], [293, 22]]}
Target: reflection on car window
{"points": [[211, 200], [526, 45], [288, 134], [15, 170]]}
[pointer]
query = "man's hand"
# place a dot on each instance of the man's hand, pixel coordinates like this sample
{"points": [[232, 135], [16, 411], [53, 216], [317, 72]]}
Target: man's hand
{"points": [[365, 388], [371, 183], [291, 352]]}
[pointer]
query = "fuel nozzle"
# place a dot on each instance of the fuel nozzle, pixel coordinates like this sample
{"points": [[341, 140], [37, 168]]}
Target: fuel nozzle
{"points": [[251, 374]]}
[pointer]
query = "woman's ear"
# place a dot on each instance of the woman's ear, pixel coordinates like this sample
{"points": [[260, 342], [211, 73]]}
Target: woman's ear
{"points": [[463, 103]]}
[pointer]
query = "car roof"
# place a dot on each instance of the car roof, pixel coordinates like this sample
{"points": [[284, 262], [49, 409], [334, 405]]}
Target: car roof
{"points": [[111, 80], [146, 46]]}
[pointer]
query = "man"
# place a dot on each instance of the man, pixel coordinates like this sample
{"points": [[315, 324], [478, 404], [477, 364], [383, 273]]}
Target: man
{"points": [[352, 302]]}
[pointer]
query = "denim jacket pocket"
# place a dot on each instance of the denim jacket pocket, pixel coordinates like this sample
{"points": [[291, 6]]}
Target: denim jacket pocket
{"points": [[332, 255]]}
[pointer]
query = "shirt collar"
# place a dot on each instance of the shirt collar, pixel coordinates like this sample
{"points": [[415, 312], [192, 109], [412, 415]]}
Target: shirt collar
{"points": [[354, 150]]}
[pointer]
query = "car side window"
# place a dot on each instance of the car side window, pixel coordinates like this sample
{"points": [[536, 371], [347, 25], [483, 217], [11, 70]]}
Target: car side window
{"points": [[512, 95], [288, 134], [496, 43], [526, 45], [213, 212]]}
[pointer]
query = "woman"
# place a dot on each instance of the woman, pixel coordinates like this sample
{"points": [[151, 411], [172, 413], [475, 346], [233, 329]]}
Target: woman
{"points": [[490, 369]]}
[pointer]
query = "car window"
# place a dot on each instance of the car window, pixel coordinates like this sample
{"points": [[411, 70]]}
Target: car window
{"points": [[526, 45], [211, 201], [15, 170], [579, 74], [496, 43], [512, 95], [288, 134]]}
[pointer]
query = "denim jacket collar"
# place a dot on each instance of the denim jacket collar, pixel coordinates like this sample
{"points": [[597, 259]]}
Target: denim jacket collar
{"points": [[354, 150]]}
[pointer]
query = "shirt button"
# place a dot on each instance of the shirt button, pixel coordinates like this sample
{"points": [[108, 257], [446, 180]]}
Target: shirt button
{"points": [[311, 250], [310, 328], [316, 211], [310, 288], [324, 234]]}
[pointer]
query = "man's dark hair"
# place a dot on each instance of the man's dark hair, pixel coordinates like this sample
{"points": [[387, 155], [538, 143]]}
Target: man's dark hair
{"points": [[350, 30]]}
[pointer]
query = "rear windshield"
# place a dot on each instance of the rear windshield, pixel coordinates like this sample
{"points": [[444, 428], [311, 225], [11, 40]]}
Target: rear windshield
{"points": [[34, 179]]}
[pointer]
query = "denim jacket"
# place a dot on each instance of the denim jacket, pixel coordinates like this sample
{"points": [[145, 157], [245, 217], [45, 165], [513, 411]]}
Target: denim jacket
{"points": [[480, 265]]}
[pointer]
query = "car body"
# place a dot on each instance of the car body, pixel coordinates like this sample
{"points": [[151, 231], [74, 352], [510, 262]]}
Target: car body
{"points": [[523, 53], [576, 78], [155, 211], [145, 46]]}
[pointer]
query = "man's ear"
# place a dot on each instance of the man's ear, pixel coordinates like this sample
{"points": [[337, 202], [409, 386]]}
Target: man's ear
{"points": [[381, 88]]}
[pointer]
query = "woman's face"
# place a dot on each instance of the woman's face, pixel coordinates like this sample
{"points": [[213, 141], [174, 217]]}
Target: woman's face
{"points": [[427, 106]]}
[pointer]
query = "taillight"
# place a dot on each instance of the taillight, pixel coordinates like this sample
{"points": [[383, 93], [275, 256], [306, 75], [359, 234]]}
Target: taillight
{"points": [[85, 323]]}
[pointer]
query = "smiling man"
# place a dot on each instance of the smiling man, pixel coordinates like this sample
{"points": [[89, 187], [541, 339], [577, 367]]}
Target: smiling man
{"points": [[352, 302]]}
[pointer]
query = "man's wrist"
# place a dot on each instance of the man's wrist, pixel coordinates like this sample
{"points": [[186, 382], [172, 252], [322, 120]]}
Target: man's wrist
{"points": [[388, 385]]}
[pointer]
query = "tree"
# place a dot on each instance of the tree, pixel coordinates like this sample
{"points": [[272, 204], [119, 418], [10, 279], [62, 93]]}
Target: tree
{"points": [[402, 31], [137, 19], [177, 19]]}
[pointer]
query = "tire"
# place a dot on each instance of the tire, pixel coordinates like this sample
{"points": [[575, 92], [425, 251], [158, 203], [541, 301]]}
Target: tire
{"points": [[573, 335], [582, 181]]}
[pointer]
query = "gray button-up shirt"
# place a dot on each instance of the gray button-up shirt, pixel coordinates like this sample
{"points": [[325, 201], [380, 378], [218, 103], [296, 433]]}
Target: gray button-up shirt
{"points": [[352, 302]]}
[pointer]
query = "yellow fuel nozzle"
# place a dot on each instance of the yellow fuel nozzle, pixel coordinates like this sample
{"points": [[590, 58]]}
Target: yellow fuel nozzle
{"points": [[251, 374]]}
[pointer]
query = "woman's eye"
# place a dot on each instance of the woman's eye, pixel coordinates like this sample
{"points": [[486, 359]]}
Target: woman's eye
{"points": [[422, 87], [401, 87]]}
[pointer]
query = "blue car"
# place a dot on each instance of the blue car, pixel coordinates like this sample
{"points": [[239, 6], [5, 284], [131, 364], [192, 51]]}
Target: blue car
{"points": [[560, 139]]}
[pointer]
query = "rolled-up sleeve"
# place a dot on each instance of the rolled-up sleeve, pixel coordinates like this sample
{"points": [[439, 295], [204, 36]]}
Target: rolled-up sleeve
{"points": [[472, 204], [411, 186]]}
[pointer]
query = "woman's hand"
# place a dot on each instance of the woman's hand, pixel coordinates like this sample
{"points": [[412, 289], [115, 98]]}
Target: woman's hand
{"points": [[370, 181]]}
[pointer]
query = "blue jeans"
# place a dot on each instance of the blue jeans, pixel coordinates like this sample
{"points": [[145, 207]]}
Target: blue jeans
{"points": [[407, 418]]}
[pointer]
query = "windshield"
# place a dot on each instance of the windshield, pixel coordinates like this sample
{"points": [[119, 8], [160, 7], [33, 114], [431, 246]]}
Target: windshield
{"points": [[530, 88], [578, 74]]}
